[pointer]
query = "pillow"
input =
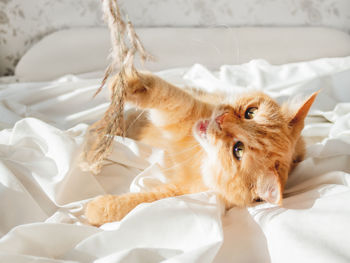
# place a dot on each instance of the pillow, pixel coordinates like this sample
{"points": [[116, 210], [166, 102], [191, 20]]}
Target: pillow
{"points": [[80, 50], [70, 51]]}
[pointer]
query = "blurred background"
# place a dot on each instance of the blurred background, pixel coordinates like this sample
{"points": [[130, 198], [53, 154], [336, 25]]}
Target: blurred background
{"points": [[24, 22]]}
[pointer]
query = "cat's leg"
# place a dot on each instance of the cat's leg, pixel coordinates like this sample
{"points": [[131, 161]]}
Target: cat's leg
{"points": [[168, 104], [109, 208]]}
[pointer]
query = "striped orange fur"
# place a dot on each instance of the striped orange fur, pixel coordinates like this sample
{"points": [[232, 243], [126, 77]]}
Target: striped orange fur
{"points": [[200, 134]]}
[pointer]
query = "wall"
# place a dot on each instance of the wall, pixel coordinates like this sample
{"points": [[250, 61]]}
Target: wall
{"points": [[24, 22]]}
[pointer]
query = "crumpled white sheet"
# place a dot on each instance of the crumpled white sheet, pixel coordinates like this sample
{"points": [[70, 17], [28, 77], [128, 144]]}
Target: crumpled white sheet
{"points": [[43, 191]]}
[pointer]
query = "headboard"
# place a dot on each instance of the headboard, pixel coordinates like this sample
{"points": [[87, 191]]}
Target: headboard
{"points": [[24, 22]]}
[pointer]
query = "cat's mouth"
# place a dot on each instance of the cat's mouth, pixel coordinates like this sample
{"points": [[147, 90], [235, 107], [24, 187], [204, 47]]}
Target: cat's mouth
{"points": [[202, 127]]}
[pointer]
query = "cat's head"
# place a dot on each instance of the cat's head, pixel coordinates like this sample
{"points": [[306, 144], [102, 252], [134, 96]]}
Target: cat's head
{"points": [[251, 145]]}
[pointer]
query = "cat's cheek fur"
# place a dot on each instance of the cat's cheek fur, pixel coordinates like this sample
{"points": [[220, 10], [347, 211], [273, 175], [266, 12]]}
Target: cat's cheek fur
{"points": [[208, 174], [214, 174], [211, 171]]}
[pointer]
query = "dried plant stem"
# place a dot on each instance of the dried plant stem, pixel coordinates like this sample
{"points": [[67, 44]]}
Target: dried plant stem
{"points": [[125, 45]]}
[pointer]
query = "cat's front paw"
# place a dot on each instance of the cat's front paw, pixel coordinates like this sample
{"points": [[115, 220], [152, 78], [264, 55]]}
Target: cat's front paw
{"points": [[140, 88], [104, 209]]}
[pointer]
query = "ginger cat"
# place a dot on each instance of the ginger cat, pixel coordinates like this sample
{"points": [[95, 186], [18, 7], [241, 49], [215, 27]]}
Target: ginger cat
{"points": [[243, 149]]}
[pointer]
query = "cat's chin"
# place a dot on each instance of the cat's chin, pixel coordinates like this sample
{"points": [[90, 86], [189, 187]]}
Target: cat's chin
{"points": [[201, 128]]}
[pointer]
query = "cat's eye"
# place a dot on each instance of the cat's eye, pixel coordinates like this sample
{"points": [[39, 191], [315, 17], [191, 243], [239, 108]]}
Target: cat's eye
{"points": [[238, 150], [258, 200], [250, 112]]}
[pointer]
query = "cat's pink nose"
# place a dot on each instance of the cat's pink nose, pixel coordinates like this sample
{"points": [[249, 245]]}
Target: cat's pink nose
{"points": [[220, 119]]}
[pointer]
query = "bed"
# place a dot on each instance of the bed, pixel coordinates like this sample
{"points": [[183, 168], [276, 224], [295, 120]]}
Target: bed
{"points": [[45, 114]]}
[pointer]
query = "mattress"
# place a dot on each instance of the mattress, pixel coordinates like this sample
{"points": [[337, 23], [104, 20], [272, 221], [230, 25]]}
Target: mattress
{"points": [[43, 192]]}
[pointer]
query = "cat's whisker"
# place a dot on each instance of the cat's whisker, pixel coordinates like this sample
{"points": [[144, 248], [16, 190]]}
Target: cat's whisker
{"points": [[185, 150], [134, 121], [184, 162], [167, 155]]}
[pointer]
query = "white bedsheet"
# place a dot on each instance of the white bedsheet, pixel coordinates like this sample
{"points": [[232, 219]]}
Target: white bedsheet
{"points": [[43, 191]]}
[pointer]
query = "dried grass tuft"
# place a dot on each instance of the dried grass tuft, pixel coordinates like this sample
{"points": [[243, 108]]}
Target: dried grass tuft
{"points": [[125, 45]]}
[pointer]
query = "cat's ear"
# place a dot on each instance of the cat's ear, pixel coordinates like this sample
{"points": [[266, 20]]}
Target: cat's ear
{"points": [[297, 118], [269, 188]]}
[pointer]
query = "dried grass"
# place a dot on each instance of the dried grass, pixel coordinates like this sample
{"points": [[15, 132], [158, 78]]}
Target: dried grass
{"points": [[125, 45]]}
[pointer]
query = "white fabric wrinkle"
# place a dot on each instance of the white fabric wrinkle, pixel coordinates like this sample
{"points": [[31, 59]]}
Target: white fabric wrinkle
{"points": [[44, 192]]}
